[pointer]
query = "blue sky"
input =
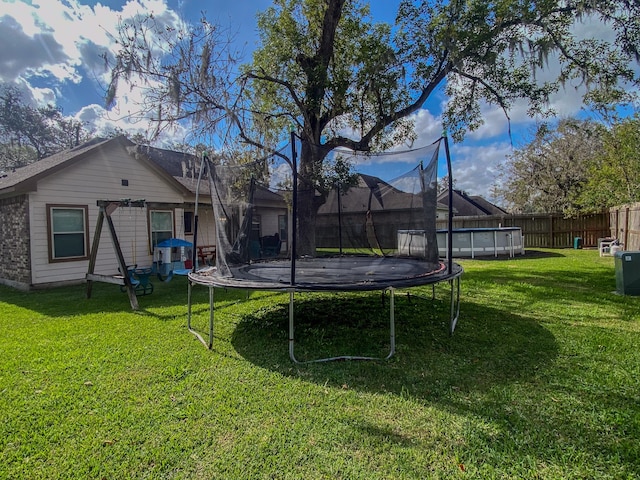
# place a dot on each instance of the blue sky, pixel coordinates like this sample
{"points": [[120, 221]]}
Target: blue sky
{"points": [[50, 48]]}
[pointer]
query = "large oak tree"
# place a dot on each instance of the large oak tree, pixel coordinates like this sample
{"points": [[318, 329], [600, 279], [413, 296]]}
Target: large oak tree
{"points": [[341, 79]]}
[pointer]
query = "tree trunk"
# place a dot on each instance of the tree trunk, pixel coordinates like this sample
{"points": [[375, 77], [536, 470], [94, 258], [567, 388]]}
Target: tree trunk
{"points": [[309, 199], [430, 205]]}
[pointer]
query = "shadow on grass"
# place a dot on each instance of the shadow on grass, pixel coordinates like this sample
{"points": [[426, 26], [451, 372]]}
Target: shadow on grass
{"points": [[167, 299], [488, 347], [529, 255], [496, 366]]}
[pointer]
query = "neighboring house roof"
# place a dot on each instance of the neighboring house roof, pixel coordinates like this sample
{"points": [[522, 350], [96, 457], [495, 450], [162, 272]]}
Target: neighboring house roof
{"points": [[372, 193], [183, 167], [488, 206], [266, 198], [470, 206], [25, 179]]}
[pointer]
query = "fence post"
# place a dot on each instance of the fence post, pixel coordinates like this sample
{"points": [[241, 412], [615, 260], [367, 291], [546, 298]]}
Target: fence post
{"points": [[626, 227]]}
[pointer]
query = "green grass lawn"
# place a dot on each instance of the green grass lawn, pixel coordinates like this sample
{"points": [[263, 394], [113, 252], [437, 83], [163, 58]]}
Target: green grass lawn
{"points": [[541, 379]]}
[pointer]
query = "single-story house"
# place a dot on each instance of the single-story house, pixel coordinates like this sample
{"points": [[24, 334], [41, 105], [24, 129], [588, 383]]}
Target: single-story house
{"points": [[392, 210], [48, 211], [271, 216]]}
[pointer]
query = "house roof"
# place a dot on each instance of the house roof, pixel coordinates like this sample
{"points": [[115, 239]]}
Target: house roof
{"points": [[191, 184], [372, 193], [490, 207], [24, 179], [177, 164], [471, 206], [183, 167], [265, 197]]}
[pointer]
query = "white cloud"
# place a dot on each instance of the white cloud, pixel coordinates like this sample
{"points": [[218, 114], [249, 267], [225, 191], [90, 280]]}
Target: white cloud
{"points": [[26, 55], [60, 42], [476, 168], [102, 122], [428, 127]]}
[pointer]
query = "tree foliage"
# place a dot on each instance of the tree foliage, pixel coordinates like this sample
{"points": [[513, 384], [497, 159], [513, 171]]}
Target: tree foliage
{"points": [[577, 167], [346, 81], [180, 72], [29, 133], [614, 174], [326, 69], [549, 173]]}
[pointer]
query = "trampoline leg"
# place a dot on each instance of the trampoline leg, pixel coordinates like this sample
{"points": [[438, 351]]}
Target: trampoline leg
{"points": [[392, 324], [392, 335], [208, 344], [211, 309], [189, 288], [292, 355], [455, 304]]}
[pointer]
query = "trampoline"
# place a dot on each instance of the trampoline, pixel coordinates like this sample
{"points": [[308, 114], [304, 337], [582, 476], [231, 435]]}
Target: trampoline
{"points": [[354, 241]]}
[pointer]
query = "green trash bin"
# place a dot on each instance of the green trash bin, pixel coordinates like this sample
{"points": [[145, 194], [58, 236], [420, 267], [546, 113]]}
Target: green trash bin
{"points": [[577, 243], [627, 269]]}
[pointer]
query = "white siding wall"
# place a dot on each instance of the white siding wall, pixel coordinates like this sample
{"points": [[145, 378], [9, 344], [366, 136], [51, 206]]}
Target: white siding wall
{"points": [[206, 227], [99, 177], [269, 222], [269, 218]]}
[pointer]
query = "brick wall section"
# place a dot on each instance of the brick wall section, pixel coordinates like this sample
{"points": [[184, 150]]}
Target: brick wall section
{"points": [[15, 261]]}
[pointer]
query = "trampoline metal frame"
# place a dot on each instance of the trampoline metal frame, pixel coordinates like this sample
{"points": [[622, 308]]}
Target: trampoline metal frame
{"points": [[454, 313], [453, 279]]}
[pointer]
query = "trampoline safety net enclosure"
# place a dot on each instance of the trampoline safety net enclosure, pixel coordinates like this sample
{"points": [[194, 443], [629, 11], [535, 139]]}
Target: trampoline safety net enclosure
{"points": [[333, 224]]}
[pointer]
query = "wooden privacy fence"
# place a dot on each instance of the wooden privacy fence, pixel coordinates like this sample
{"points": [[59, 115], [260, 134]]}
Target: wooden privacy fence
{"points": [[625, 225], [544, 230]]}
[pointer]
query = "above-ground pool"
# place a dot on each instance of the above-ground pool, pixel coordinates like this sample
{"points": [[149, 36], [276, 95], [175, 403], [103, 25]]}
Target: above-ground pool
{"points": [[467, 242]]}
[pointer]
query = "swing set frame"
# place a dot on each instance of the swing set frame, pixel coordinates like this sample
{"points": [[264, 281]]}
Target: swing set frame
{"points": [[106, 208]]}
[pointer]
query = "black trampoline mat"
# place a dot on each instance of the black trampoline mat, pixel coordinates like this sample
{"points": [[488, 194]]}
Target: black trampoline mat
{"points": [[331, 273]]}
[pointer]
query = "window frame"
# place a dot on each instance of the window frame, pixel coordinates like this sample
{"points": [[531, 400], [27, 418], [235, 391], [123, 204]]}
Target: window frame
{"points": [[256, 227], [283, 231], [51, 234], [188, 218], [151, 230]]}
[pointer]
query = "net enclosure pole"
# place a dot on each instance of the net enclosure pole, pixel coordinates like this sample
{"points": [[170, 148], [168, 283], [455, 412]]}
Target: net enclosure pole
{"points": [[194, 255], [450, 198], [294, 206]]}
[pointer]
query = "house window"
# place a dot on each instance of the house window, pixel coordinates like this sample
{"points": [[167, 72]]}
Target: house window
{"points": [[161, 226], [188, 222], [68, 232], [255, 227], [282, 227]]}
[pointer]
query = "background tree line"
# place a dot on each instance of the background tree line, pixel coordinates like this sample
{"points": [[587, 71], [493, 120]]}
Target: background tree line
{"points": [[29, 133], [578, 166]]}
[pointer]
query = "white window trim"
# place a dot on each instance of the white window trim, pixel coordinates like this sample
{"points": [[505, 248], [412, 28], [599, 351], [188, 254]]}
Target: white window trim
{"points": [[151, 230]]}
